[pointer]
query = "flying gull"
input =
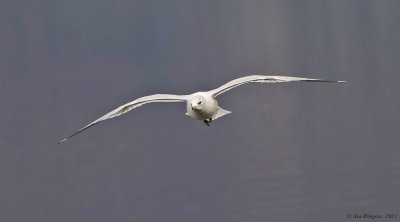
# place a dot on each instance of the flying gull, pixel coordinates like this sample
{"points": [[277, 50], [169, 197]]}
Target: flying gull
{"points": [[199, 105]]}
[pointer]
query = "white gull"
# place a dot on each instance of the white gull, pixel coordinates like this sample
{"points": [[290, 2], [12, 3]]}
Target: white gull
{"points": [[200, 105]]}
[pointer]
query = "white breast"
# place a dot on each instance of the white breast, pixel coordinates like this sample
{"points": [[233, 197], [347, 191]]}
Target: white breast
{"points": [[210, 107]]}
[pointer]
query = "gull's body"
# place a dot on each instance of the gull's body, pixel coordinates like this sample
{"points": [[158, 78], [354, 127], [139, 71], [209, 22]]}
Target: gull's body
{"points": [[200, 105], [207, 109]]}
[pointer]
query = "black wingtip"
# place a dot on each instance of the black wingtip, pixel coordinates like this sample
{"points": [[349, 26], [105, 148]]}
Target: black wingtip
{"points": [[322, 80], [84, 128], [61, 141]]}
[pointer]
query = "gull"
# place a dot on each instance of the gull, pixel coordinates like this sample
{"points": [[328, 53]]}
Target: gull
{"points": [[199, 105]]}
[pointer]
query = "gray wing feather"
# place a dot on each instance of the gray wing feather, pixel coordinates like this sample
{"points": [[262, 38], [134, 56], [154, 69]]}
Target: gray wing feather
{"points": [[261, 79], [132, 105]]}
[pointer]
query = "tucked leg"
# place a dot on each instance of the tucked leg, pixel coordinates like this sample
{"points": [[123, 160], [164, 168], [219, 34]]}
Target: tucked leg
{"points": [[206, 122]]}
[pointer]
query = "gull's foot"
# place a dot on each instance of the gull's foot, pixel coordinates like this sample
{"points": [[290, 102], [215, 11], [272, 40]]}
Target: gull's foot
{"points": [[210, 120], [206, 122]]}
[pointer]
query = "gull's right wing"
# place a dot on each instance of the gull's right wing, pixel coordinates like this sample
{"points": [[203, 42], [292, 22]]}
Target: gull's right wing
{"points": [[132, 105]]}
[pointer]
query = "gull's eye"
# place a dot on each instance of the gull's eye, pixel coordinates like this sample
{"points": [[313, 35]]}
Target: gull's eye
{"points": [[199, 103]]}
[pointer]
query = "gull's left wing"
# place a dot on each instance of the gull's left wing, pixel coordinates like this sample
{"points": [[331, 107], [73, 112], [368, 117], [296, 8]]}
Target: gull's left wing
{"points": [[262, 79], [132, 105]]}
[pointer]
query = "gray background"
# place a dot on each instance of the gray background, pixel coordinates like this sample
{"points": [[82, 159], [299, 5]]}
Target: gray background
{"points": [[288, 152]]}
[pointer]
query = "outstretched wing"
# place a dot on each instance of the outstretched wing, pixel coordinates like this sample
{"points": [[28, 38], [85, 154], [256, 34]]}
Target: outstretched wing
{"points": [[263, 79], [132, 105]]}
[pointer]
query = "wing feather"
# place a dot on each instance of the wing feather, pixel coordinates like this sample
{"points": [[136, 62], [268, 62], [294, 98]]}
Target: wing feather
{"points": [[261, 79], [132, 105]]}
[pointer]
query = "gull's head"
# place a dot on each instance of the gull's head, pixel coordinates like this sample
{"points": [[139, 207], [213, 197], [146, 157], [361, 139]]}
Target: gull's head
{"points": [[197, 103]]}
